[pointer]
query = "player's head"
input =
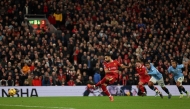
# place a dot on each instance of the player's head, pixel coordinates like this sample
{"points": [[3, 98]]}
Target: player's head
{"points": [[174, 63], [107, 57], [147, 64], [138, 63]]}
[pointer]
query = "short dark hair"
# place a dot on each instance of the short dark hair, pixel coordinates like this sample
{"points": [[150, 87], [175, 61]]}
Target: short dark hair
{"points": [[147, 62], [174, 61], [107, 54]]}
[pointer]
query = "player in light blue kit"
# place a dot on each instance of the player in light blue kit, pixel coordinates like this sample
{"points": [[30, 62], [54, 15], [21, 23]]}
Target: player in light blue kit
{"points": [[176, 70], [156, 77]]}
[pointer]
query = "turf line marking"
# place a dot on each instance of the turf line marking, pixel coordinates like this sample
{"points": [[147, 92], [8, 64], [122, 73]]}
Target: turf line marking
{"points": [[36, 106]]}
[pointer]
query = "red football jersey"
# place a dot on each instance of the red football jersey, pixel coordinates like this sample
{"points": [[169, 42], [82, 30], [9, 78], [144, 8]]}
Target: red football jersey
{"points": [[112, 66], [142, 72]]}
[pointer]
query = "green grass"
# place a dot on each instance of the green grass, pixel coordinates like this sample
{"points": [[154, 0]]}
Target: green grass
{"points": [[94, 103]]}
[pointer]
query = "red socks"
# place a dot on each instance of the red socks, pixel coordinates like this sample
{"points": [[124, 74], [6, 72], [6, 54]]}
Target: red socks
{"points": [[101, 82], [105, 90], [141, 87]]}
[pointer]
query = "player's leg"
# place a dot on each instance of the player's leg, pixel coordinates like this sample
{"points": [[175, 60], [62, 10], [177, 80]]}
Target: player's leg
{"points": [[99, 83], [141, 87], [111, 80], [103, 84], [162, 84], [167, 91], [104, 89], [180, 87], [151, 83], [178, 84]]}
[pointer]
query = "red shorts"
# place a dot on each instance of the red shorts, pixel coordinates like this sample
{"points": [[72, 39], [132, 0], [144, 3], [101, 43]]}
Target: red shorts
{"points": [[112, 78], [144, 80]]}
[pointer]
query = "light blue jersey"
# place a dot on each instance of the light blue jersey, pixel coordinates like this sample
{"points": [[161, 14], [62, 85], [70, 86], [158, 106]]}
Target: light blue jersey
{"points": [[154, 72], [177, 72]]}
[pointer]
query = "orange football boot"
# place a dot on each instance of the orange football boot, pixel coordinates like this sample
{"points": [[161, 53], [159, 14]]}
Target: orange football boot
{"points": [[111, 98], [90, 86]]}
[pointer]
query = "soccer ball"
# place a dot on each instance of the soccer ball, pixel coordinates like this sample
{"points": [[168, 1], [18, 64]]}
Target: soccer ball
{"points": [[12, 92]]}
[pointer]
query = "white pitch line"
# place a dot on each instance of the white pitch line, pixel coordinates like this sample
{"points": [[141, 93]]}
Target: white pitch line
{"points": [[36, 106]]}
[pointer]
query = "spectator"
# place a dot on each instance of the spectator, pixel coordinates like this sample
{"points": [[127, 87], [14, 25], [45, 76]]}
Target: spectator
{"points": [[97, 77], [26, 69], [188, 79], [130, 81], [58, 17], [10, 82], [26, 83], [57, 82], [46, 81], [74, 31], [124, 81], [78, 82], [90, 81], [51, 80], [27, 9], [36, 81], [71, 82], [85, 78], [45, 8], [3, 82], [63, 83], [52, 20], [167, 82], [32, 67], [61, 75], [1, 36], [171, 80], [102, 73], [29, 81], [185, 81], [18, 81]]}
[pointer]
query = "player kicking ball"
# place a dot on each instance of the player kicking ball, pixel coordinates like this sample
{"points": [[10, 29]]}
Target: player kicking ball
{"points": [[176, 70], [156, 77], [111, 70]]}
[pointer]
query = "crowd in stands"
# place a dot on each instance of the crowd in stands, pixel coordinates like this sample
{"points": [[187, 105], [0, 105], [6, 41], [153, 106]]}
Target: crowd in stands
{"points": [[148, 30]]}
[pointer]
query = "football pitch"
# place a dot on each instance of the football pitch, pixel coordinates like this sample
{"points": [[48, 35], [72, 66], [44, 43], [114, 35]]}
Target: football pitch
{"points": [[123, 102]]}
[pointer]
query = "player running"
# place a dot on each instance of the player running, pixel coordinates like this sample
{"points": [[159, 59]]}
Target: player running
{"points": [[156, 77], [176, 70], [143, 77], [111, 70]]}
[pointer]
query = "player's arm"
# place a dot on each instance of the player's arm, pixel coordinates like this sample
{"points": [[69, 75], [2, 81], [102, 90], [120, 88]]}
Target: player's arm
{"points": [[106, 69], [169, 70], [145, 71], [124, 66], [152, 72], [182, 65]]}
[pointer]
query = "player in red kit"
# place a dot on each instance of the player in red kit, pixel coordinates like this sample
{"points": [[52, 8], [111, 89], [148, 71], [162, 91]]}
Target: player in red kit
{"points": [[143, 76], [111, 70]]}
